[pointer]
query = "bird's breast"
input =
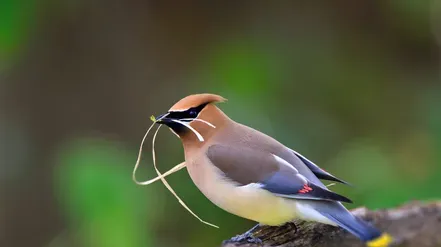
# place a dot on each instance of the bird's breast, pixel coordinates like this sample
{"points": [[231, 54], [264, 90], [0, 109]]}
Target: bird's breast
{"points": [[247, 201]]}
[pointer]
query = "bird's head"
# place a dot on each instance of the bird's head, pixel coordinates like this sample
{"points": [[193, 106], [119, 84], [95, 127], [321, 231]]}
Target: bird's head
{"points": [[194, 118]]}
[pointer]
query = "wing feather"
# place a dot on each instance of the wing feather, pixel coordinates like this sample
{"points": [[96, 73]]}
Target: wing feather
{"points": [[247, 166], [319, 172]]}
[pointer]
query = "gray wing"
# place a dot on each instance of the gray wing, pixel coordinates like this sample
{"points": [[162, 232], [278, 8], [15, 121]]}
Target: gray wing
{"points": [[318, 172], [249, 166]]}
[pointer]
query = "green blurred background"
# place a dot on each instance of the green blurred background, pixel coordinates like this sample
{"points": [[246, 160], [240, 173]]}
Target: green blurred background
{"points": [[353, 85]]}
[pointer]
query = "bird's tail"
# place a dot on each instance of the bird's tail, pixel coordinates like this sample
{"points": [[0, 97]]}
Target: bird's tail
{"points": [[362, 229]]}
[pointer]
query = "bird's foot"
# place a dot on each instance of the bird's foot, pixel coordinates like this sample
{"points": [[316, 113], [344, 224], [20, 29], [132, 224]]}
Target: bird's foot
{"points": [[245, 238]]}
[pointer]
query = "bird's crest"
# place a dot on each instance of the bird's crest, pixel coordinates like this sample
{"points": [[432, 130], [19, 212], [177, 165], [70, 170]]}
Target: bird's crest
{"points": [[195, 100]]}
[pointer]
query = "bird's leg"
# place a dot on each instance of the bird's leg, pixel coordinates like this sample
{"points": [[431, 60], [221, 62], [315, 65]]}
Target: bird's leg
{"points": [[247, 236], [289, 226], [283, 230], [276, 233]]}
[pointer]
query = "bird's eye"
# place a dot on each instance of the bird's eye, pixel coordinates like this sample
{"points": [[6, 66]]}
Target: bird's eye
{"points": [[193, 113]]}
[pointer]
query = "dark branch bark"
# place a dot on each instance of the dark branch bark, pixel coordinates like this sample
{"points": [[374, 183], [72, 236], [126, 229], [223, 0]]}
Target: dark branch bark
{"points": [[415, 224]]}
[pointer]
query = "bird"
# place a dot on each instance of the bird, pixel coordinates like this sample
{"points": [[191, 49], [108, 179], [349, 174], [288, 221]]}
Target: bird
{"points": [[252, 175]]}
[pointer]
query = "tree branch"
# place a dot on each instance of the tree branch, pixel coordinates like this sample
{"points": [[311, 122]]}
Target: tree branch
{"points": [[415, 224]]}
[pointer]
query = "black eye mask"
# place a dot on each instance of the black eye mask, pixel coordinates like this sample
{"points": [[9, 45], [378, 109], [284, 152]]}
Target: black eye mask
{"points": [[189, 113]]}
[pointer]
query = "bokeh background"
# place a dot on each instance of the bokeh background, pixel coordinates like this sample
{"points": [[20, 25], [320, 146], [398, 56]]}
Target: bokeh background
{"points": [[353, 85]]}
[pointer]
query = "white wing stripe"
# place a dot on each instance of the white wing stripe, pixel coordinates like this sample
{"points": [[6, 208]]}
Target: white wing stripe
{"points": [[284, 162]]}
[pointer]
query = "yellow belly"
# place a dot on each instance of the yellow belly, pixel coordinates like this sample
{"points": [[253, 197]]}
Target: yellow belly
{"points": [[249, 201], [259, 205]]}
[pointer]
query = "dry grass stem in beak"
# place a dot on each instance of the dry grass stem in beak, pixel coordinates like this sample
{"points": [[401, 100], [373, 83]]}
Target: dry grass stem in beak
{"points": [[199, 136], [200, 120], [162, 176], [173, 170], [168, 185]]}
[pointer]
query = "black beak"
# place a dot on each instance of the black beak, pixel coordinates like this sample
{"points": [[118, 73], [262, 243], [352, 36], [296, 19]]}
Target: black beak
{"points": [[162, 119], [169, 121]]}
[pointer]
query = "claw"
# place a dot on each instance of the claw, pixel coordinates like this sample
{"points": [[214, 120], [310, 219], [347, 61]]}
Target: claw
{"points": [[247, 237]]}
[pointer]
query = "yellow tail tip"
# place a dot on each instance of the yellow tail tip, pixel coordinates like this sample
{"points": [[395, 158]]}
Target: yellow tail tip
{"points": [[382, 241]]}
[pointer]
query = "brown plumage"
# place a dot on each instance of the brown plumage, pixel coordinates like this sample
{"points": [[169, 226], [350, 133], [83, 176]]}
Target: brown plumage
{"points": [[196, 100]]}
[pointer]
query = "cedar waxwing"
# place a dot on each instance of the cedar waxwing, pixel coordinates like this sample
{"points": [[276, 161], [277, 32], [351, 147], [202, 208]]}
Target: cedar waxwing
{"points": [[252, 175]]}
